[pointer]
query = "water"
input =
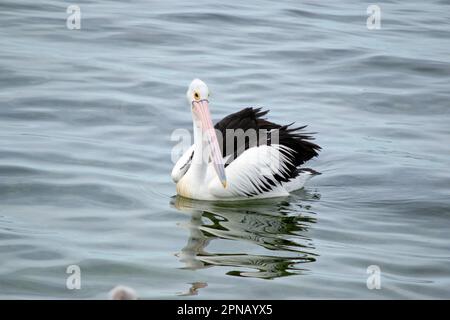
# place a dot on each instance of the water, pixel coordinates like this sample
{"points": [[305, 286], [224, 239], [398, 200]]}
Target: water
{"points": [[86, 118]]}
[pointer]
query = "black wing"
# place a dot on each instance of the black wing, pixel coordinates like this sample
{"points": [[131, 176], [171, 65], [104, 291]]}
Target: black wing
{"points": [[252, 118]]}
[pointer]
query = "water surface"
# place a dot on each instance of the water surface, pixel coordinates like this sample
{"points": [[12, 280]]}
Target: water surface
{"points": [[86, 118]]}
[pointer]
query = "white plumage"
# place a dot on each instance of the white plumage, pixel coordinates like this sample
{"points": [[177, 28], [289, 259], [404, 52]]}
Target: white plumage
{"points": [[247, 175]]}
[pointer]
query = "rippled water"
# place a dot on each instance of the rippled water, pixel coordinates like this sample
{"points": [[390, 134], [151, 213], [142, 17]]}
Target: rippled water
{"points": [[86, 118]]}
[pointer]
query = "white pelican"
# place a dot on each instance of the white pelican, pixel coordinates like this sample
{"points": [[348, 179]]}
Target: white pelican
{"points": [[242, 156]]}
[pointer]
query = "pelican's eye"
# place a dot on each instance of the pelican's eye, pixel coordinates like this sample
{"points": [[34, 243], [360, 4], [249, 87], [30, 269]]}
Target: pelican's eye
{"points": [[196, 95]]}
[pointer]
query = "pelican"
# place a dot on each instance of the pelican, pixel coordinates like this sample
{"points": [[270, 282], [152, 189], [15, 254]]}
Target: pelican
{"points": [[243, 156]]}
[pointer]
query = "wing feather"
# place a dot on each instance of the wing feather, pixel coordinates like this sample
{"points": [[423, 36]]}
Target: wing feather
{"points": [[183, 164], [253, 173]]}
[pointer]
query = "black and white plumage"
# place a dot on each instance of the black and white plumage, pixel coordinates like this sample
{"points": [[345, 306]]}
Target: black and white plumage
{"points": [[253, 157]]}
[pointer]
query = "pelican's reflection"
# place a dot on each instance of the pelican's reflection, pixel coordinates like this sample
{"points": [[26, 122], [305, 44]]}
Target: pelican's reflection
{"points": [[278, 228]]}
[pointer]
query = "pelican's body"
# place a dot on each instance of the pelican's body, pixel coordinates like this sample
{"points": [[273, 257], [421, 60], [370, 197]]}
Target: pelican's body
{"points": [[267, 164]]}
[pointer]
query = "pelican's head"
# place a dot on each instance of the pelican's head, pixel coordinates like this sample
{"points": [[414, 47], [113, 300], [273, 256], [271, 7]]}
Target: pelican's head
{"points": [[198, 95], [198, 90]]}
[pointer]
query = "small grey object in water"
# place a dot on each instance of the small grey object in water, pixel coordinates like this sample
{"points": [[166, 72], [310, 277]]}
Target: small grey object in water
{"points": [[122, 293]]}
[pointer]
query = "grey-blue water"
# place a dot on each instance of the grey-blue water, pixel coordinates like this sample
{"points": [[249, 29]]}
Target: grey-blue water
{"points": [[86, 118]]}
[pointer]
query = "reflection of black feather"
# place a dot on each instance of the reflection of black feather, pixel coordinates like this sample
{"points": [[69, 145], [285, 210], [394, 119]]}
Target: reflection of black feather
{"points": [[279, 226], [252, 119]]}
